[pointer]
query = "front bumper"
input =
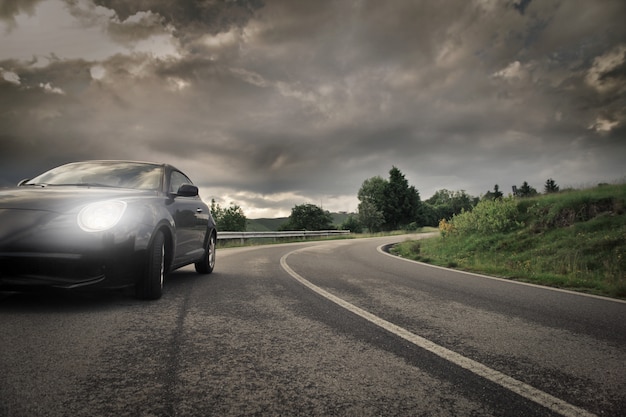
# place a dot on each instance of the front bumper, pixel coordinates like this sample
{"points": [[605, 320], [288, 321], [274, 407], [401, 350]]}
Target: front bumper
{"points": [[118, 269], [49, 269], [106, 265], [40, 248]]}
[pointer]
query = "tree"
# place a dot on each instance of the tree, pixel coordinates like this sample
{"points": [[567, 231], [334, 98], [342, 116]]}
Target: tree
{"points": [[352, 224], [446, 204], [230, 219], [402, 202], [389, 204], [372, 200], [525, 191], [550, 187], [373, 191], [429, 215], [370, 216], [308, 217], [496, 194]]}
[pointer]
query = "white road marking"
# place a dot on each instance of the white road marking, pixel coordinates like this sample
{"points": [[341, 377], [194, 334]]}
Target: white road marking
{"points": [[542, 398]]}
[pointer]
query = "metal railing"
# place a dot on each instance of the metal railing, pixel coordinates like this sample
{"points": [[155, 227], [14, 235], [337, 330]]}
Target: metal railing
{"points": [[291, 234]]}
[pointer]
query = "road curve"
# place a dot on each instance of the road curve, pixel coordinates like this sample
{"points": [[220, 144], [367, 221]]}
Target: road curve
{"points": [[253, 339]]}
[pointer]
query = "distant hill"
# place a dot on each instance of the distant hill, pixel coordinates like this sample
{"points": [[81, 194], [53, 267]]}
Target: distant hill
{"points": [[272, 225], [265, 225], [339, 218]]}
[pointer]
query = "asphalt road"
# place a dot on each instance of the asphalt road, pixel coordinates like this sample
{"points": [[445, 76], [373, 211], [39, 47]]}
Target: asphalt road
{"points": [[332, 328]]}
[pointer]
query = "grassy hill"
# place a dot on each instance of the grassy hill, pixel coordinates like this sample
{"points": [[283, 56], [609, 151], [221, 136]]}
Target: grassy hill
{"points": [[265, 225], [574, 239], [272, 225]]}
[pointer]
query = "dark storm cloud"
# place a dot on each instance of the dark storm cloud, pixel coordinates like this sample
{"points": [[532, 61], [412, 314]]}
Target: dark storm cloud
{"points": [[209, 13], [521, 6], [273, 103], [189, 17], [10, 8]]}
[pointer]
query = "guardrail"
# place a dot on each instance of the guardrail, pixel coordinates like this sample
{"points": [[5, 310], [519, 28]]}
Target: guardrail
{"points": [[291, 234]]}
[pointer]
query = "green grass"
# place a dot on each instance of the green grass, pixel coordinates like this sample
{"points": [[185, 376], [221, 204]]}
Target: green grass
{"points": [[574, 240]]}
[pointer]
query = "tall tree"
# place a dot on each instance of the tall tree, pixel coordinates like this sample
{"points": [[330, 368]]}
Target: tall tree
{"points": [[372, 201], [550, 186], [402, 202], [496, 191], [493, 195], [526, 190]]}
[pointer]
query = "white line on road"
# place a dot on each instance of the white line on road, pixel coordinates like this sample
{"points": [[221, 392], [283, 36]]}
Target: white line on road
{"points": [[542, 398]]}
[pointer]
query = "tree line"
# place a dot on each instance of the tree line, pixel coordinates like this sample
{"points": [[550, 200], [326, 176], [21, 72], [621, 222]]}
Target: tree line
{"points": [[384, 205], [393, 204]]}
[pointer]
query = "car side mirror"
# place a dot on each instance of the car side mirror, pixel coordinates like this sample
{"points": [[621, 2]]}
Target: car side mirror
{"points": [[187, 190]]}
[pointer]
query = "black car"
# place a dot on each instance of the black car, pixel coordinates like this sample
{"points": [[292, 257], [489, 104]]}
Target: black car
{"points": [[104, 223]]}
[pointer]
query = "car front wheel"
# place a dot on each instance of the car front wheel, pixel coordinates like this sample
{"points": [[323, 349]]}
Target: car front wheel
{"points": [[207, 263], [150, 286]]}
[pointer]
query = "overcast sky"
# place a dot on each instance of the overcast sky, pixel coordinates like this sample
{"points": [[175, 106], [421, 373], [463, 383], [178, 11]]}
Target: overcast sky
{"points": [[273, 103]]}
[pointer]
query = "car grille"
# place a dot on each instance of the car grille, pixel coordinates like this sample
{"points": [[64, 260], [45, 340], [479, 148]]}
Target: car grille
{"points": [[46, 269]]}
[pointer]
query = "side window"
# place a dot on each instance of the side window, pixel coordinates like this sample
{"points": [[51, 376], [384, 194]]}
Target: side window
{"points": [[177, 179]]}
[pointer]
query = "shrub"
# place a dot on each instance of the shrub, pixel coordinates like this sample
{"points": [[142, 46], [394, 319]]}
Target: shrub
{"points": [[489, 216], [445, 228]]}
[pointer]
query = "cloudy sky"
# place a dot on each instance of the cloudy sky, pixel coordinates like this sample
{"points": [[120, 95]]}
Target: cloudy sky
{"points": [[273, 103]]}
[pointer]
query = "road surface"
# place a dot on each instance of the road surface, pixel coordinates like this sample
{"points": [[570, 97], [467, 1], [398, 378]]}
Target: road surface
{"points": [[335, 328]]}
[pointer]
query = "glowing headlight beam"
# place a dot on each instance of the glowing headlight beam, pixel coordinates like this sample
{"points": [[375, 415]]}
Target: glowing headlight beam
{"points": [[100, 216]]}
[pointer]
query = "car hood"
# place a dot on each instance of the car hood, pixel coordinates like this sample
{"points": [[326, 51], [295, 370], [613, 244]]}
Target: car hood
{"points": [[63, 199]]}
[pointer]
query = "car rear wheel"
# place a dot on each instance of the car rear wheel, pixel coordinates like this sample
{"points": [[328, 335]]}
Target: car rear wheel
{"points": [[207, 263], [150, 286]]}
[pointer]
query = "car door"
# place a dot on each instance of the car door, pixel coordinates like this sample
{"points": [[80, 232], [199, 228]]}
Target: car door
{"points": [[190, 220]]}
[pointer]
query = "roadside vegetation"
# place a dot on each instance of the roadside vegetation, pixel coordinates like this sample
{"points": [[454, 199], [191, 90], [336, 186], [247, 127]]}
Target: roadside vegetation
{"points": [[574, 239], [570, 239]]}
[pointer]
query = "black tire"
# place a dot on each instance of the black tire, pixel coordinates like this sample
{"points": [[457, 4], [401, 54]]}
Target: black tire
{"points": [[207, 263], [150, 286]]}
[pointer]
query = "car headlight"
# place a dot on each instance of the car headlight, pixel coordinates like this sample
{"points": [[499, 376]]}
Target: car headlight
{"points": [[100, 216]]}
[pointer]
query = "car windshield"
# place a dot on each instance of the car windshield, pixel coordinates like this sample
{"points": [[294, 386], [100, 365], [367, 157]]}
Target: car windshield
{"points": [[136, 175]]}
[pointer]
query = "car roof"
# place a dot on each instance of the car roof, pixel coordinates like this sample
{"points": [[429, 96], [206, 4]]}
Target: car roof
{"points": [[114, 161], [122, 161]]}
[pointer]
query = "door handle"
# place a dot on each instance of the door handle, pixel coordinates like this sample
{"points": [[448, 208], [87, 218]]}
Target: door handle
{"points": [[198, 210]]}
